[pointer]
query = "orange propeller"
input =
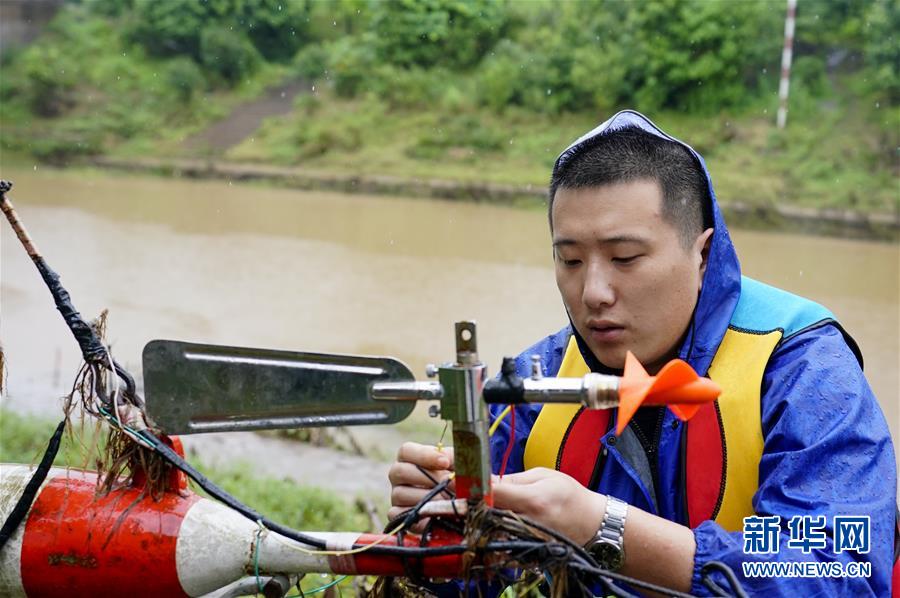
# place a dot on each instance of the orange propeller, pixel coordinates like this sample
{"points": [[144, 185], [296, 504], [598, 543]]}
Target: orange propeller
{"points": [[676, 385]]}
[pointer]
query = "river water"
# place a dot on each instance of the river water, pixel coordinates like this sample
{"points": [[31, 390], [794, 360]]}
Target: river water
{"points": [[258, 266]]}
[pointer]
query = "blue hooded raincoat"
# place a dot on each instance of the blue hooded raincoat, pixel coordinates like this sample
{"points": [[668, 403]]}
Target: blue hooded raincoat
{"points": [[827, 449]]}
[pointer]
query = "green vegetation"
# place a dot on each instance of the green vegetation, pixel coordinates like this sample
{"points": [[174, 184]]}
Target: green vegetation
{"points": [[84, 88], [475, 90]]}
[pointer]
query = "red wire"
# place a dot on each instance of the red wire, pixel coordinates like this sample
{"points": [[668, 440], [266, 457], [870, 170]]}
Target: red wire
{"points": [[512, 438]]}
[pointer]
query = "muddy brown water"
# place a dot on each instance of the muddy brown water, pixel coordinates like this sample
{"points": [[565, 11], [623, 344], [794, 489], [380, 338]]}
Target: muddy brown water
{"points": [[256, 266]]}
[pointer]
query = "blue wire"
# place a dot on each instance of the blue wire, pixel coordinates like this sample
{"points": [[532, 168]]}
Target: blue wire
{"points": [[259, 585]]}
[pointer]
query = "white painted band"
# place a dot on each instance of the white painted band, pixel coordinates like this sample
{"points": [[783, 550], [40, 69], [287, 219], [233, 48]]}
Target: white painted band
{"points": [[217, 546], [13, 479], [213, 548]]}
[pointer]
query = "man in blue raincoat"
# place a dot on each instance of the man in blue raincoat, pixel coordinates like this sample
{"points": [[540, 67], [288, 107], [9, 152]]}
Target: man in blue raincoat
{"points": [[792, 467]]}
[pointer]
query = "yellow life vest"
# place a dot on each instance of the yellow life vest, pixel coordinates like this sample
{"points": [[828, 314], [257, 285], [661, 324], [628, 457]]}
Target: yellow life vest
{"points": [[724, 439]]}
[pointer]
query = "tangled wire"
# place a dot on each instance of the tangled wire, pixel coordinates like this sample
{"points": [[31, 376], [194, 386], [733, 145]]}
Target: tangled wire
{"points": [[503, 549], [122, 453]]}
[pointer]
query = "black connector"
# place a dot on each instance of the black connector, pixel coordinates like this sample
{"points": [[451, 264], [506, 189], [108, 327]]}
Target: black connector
{"points": [[508, 389]]}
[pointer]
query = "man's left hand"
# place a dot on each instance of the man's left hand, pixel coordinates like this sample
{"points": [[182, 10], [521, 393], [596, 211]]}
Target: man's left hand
{"points": [[554, 499]]}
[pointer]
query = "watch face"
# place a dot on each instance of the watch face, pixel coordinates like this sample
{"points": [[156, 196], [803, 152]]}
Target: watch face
{"points": [[608, 555]]}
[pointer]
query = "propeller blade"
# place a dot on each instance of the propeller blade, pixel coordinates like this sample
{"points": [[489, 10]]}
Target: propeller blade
{"points": [[633, 368], [684, 411], [698, 390], [633, 388], [674, 374], [676, 385]]}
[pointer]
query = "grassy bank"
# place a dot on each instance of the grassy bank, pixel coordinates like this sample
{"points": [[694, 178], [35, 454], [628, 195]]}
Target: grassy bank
{"points": [[827, 159], [23, 439], [497, 118]]}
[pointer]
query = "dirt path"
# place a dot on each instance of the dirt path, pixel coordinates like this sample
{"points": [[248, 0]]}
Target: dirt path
{"points": [[245, 119]]}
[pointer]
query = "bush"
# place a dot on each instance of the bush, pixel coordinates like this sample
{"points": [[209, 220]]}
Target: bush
{"points": [[277, 28], [457, 96], [464, 132], [541, 81], [453, 33], [683, 54], [316, 139], [883, 50], [66, 145], [307, 104], [185, 78], [698, 56], [109, 8], [169, 28], [49, 80], [808, 72], [312, 62], [500, 79], [408, 88], [229, 55], [350, 65]]}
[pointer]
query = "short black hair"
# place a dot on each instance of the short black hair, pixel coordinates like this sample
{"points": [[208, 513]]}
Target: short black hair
{"points": [[632, 154]]}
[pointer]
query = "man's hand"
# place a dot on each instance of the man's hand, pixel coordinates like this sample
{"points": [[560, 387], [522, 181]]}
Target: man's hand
{"points": [[554, 499], [656, 550], [408, 484]]}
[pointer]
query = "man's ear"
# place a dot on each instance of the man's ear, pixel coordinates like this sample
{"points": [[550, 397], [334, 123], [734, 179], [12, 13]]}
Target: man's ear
{"points": [[701, 248]]}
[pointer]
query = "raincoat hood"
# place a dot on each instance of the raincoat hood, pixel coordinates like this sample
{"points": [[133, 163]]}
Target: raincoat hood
{"points": [[722, 278]]}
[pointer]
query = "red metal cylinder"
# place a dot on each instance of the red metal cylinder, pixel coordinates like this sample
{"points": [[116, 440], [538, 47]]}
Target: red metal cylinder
{"points": [[102, 546]]}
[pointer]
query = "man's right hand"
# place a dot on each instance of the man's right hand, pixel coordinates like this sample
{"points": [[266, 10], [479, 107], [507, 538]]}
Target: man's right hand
{"points": [[408, 484]]}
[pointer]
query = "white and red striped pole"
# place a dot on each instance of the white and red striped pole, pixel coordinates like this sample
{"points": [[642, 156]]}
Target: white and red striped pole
{"points": [[787, 55]]}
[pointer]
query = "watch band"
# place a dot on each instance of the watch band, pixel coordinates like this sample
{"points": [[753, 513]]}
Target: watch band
{"points": [[612, 529]]}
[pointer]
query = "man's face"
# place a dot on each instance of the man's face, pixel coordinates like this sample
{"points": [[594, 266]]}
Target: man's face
{"points": [[626, 279]]}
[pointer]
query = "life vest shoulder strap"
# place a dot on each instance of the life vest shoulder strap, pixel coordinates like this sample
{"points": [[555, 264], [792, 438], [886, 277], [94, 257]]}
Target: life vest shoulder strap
{"points": [[567, 425], [724, 440]]}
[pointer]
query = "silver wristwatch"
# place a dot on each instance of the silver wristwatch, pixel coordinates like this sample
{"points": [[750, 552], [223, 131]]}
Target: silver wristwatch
{"points": [[608, 545]]}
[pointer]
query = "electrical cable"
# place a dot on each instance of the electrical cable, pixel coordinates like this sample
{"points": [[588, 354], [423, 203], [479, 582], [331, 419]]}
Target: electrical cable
{"points": [[330, 584], [224, 497], [549, 531], [259, 533], [496, 423], [20, 511], [644, 585], [356, 550], [424, 472], [510, 442], [718, 566], [409, 517]]}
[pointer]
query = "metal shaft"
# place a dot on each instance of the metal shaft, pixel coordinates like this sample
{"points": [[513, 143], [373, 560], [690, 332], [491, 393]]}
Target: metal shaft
{"points": [[406, 391], [594, 391]]}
